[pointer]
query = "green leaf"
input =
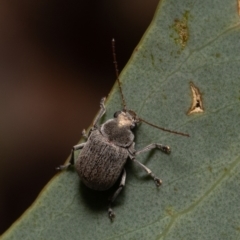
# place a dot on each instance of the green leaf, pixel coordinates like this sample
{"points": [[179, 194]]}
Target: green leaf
{"points": [[188, 41]]}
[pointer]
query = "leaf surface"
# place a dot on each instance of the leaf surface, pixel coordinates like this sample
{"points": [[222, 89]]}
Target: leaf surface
{"points": [[188, 41]]}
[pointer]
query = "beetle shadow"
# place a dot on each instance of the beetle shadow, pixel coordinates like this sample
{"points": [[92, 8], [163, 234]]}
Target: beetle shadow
{"points": [[147, 155], [98, 201]]}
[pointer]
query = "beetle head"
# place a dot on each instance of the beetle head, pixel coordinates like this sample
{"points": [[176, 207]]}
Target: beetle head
{"points": [[126, 118]]}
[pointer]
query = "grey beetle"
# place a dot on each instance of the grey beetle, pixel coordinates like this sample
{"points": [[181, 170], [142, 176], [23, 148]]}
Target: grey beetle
{"points": [[103, 156]]}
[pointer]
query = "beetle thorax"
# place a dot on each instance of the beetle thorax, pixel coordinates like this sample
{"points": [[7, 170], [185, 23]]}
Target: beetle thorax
{"points": [[118, 130]]}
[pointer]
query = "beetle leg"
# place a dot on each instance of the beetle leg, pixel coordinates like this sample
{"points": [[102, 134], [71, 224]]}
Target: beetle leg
{"points": [[71, 162], [84, 134], [133, 153], [111, 214], [164, 148], [157, 180], [100, 114]]}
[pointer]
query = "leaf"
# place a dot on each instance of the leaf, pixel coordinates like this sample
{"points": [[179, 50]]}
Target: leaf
{"points": [[188, 42]]}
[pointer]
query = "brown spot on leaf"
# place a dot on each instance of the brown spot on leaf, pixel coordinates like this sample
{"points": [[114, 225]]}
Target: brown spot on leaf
{"points": [[239, 7], [197, 104], [182, 30]]}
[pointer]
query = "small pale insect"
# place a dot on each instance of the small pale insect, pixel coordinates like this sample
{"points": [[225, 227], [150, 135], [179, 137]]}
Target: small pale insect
{"points": [[108, 146]]}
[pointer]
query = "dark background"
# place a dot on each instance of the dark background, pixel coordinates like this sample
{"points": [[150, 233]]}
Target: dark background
{"points": [[55, 65]]}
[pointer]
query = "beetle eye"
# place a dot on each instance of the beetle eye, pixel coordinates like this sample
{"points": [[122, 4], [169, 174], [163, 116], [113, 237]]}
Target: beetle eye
{"points": [[116, 114], [133, 126]]}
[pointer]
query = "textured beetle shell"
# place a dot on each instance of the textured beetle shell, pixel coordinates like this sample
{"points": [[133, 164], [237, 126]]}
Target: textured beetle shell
{"points": [[100, 162], [120, 136]]}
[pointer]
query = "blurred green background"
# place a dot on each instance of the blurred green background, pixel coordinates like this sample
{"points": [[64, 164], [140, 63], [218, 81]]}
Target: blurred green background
{"points": [[55, 65]]}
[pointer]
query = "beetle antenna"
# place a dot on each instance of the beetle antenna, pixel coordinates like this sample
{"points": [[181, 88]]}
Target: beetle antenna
{"points": [[117, 74], [164, 129]]}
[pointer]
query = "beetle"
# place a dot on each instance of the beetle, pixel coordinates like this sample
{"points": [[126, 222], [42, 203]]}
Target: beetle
{"points": [[108, 146]]}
